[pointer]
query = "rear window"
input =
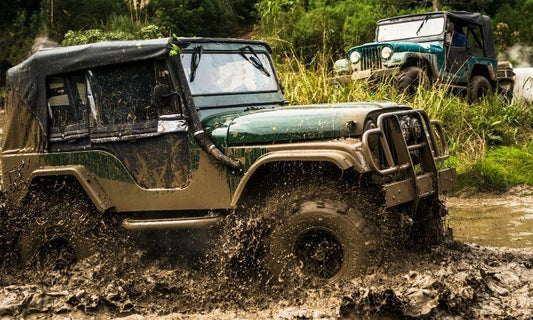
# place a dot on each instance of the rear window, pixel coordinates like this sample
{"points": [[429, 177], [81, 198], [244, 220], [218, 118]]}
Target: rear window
{"points": [[67, 107]]}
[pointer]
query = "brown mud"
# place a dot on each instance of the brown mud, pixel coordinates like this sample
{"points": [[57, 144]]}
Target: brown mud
{"points": [[451, 281]]}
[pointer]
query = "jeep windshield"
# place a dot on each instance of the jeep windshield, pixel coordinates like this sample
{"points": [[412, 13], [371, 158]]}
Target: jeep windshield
{"points": [[245, 71], [426, 27]]}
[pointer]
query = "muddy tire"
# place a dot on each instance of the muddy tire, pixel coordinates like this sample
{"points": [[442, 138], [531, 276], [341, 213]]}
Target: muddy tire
{"points": [[478, 88], [60, 226], [408, 79], [324, 239], [429, 228]]}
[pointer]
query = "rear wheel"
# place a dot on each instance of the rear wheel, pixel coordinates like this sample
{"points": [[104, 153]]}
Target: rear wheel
{"points": [[478, 88], [61, 226], [320, 237]]}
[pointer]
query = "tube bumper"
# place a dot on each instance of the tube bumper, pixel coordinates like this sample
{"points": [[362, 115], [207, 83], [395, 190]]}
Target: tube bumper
{"points": [[375, 73], [405, 191], [411, 163]]}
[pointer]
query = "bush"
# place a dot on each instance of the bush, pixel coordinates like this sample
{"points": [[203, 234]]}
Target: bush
{"points": [[96, 35]]}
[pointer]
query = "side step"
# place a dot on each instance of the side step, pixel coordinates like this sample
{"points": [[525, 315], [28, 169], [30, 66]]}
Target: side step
{"points": [[171, 223]]}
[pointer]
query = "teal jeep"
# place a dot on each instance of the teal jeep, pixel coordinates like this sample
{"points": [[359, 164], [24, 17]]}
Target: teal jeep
{"points": [[173, 135], [455, 48]]}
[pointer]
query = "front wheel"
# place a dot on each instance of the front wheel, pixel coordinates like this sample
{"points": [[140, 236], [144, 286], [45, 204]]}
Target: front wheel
{"points": [[323, 239], [408, 79]]}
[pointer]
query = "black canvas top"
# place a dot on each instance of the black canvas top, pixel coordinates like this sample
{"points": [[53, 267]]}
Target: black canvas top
{"points": [[28, 79], [473, 17], [470, 17]]}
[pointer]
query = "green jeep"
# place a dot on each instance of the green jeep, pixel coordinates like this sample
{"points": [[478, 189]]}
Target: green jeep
{"points": [[179, 134], [454, 48]]}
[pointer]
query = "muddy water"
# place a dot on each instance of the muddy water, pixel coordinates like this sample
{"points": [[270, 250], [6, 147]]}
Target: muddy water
{"points": [[495, 221]]}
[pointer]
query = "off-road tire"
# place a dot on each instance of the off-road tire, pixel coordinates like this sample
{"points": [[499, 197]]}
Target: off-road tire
{"points": [[62, 215], [478, 88], [429, 228], [408, 79], [324, 218]]}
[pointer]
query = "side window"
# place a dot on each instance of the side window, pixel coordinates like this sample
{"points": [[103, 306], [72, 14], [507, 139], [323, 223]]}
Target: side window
{"points": [[475, 38], [67, 106], [123, 99], [167, 103]]}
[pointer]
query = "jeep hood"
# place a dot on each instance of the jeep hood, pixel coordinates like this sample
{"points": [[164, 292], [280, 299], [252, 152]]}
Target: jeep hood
{"points": [[294, 123], [402, 46]]}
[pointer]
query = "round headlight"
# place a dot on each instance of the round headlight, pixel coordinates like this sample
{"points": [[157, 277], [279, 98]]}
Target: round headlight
{"points": [[355, 56], [406, 129], [416, 128], [386, 52]]}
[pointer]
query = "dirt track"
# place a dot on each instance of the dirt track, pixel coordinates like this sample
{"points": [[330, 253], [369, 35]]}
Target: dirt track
{"points": [[451, 281]]}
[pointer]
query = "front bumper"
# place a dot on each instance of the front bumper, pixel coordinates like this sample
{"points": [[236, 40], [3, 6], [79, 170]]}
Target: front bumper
{"points": [[377, 74], [414, 167]]}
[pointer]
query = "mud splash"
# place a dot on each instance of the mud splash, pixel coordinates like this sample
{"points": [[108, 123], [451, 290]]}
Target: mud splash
{"points": [[453, 281]]}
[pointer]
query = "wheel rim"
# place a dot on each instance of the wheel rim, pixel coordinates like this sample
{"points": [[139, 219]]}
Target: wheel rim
{"points": [[319, 253]]}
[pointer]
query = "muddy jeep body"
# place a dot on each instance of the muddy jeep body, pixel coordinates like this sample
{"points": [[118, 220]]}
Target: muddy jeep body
{"points": [[448, 47], [174, 134]]}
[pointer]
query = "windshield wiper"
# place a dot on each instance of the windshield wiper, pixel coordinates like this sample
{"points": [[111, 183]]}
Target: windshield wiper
{"points": [[195, 61], [422, 24], [254, 60]]}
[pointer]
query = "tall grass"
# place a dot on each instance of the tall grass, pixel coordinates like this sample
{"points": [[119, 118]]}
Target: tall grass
{"points": [[480, 135]]}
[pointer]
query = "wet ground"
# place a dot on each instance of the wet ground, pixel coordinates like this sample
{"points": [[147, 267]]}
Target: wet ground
{"points": [[504, 220], [456, 280]]}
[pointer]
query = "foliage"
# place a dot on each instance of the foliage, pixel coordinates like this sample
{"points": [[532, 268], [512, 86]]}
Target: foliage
{"points": [[314, 25], [502, 168], [200, 17], [96, 35]]}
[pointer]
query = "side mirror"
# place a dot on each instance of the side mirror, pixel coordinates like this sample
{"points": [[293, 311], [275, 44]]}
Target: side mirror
{"points": [[160, 96]]}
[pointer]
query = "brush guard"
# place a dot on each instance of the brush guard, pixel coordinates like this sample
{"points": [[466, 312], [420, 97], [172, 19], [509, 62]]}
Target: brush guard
{"points": [[412, 164]]}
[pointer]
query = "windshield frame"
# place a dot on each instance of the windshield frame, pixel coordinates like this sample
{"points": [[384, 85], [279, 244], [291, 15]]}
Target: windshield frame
{"points": [[416, 19], [191, 51]]}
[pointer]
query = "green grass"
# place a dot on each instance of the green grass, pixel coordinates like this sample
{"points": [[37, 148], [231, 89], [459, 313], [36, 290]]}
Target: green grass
{"points": [[490, 141], [502, 168]]}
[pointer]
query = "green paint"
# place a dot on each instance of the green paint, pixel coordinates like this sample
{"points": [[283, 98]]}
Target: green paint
{"points": [[101, 163], [289, 124]]}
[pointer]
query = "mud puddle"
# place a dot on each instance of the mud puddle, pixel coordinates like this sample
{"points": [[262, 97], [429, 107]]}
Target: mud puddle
{"points": [[494, 220]]}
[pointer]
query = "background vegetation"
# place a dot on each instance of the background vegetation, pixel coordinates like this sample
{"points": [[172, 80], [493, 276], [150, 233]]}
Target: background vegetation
{"points": [[492, 141]]}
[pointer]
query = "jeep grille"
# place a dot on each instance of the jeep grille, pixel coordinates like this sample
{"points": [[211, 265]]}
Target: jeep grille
{"points": [[371, 58]]}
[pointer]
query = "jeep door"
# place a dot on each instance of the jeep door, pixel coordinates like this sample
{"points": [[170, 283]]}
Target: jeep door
{"points": [[130, 118], [465, 47]]}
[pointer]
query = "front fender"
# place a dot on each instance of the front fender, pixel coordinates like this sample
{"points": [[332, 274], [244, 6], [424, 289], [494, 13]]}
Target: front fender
{"points": [[342, 155], [404, 58]]}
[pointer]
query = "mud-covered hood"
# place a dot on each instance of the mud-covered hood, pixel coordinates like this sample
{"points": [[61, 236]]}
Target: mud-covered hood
{"points": [[401, 46], [294, 123]]}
